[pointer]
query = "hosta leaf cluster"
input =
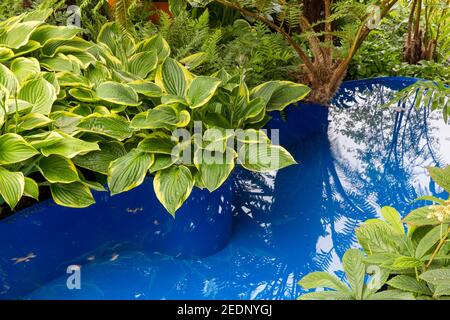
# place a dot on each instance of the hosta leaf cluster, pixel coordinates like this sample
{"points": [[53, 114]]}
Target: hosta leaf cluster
{"points": [[76, 113]]}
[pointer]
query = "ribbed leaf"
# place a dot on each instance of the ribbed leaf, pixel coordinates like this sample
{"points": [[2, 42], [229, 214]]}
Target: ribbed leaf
{"points": [[25, 68], [50, 32], [68, 147], [57, 169], [408, 283], [14, 149], [32, 121], [437, 276], [74, 195], [118, 93], [146, 88], [12, 185], [264, 157], [353, 265], [173, 77], [8, 79], [142, 63], [18, 34], [441, 176], [157, 143], [323, 280], [430, 240], [173, 186], [393, 218], [31, 189], [108, 125], [201, 90], [99, 161], [128, 171], [40, 93]]}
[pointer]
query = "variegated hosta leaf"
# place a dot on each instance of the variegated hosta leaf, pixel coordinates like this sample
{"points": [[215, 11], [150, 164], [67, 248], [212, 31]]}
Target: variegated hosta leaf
{"points": [[18, 105], [264, 157], [40, 93], [25, 68], [173, 77], [142, 63], [69, 79], [50, 32], [214, 168], [157, 43], [6, 54], [8, 79], [84, 95], [52, 47], [118, 93], [18, 34], [194, 60], [31, 189], [32, 121], [162, 116], [68, 147], [173, 186], [28, 48], [112, 36], [12, 185], [57, 169], [108, 125], [162, 161], [66, 121], [99, 161], [73, 195], [128, 171], [14, 149], [146, 88], [60, 63], [157, 143], [280, 94], [201, 90], [97, 73]]}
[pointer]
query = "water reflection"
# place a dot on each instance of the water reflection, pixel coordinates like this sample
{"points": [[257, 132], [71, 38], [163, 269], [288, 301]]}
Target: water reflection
{"points": [[299, 219]]}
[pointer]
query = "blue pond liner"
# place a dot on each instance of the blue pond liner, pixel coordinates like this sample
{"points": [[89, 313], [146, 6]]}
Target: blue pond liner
{"points": [[353, 158]]}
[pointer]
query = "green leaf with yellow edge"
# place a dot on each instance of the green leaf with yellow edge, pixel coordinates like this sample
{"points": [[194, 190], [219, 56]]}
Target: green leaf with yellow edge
{"points": [[12, 185], [14, 149], [118, 93], [128, 171], [57, 169], [112, 126], [201, 90], [173, 186], [73, 195], [31, 189]]}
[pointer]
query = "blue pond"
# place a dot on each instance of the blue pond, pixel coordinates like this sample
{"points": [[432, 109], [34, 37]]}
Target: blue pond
{"points": [[353, 159]]}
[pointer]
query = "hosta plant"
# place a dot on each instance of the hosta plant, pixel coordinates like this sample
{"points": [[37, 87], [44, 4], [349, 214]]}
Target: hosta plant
{"points": [[406, 259], [123, 109]]}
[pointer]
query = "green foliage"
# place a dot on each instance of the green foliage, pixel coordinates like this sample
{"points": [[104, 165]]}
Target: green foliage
{"points": [[408, 259], [382, 53], [263, 55], [71, 109]]}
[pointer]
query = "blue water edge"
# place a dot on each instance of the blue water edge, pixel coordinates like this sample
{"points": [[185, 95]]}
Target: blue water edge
{"points": [[354, 158]]}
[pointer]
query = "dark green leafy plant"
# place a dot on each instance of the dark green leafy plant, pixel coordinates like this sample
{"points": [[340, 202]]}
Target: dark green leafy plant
{"points": [[405, 263]]}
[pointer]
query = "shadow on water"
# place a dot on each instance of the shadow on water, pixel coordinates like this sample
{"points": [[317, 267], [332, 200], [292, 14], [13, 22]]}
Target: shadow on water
{"points": [[302, 218]]}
